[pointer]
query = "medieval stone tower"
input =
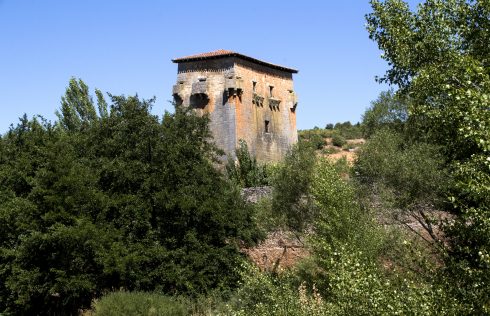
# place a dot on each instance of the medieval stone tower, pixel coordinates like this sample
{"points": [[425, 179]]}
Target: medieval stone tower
{"points": [[246, 98]]}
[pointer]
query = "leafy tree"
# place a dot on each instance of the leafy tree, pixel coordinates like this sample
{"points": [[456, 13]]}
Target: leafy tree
{"points": [[347, 130], [245, 171], [292, 184], [407, 180], [388, 111], [439, 58], [119, 199], [77, 108]]}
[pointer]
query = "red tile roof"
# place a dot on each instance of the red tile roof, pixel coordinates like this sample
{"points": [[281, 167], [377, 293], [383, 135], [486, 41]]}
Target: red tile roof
{"points": [[228, 53]]}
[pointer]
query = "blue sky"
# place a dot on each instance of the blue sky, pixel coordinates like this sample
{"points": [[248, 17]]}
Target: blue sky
{"points": [[125, 47]]}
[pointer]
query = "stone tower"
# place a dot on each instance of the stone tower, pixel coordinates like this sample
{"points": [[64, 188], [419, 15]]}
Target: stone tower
{"points": [[245, 98]]}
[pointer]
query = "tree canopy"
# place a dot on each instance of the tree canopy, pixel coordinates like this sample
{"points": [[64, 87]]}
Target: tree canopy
{"points": [[439, 58], [110, 198]]}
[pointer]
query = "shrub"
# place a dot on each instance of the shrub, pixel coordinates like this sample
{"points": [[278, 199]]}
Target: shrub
{"points": [[330, 150], [140, 303], [271, 294], [291, 199], [315, 137], [317, 141], [338, 140], [245, 171]]}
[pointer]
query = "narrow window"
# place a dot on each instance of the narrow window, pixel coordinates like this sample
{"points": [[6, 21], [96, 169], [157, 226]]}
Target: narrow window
{"points": [[270, 91], [267, 126], [254, 86]]}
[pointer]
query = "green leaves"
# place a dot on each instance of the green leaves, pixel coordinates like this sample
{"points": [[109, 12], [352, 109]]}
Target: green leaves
{"points": [[292, 187], [439, 57], [118, 199], [388, 111], [77, 108], [245, 171]]}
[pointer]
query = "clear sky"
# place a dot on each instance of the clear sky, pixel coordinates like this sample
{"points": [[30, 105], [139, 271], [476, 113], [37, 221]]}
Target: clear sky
{"points": [[126, 47]]}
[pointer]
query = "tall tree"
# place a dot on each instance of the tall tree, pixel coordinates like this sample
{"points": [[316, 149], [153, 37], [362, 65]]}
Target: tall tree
{"points": [[122, 199], [439, 57]]}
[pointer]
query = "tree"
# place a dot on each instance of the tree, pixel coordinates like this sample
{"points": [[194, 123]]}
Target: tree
{"points": [[119, 199], [292, 187], [438, 56], [245, 171], [406, 180], [388, 111]]}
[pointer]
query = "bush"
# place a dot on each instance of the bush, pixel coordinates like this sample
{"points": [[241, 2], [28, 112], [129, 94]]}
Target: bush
{"points": [[271, 294], [317, 141], [315, 137], [141, 303], [330, 150], [245, 171], [291, 196], [338, 140]]}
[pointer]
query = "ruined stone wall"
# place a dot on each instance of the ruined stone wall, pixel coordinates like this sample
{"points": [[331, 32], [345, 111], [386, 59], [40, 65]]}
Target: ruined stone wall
{"points": [[224, 88]]}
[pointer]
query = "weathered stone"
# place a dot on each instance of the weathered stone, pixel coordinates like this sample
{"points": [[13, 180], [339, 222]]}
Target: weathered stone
{"points": [[274, 104], [199, 87], [231, 89], [258, 99], [254, 194]]}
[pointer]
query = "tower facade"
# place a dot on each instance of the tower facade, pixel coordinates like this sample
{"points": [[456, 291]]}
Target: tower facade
{"points": [[245, 98]]}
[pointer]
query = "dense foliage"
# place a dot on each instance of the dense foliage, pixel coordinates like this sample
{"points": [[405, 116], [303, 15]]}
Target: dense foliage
{"points": [[114, 198], [340, 133], [245, 171], [389, 111], [291, 198], [439, 58], [142, 303], [110, 197]]}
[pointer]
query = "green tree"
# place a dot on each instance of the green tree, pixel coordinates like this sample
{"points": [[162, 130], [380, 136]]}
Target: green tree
{"points": [[292, 185], [119, 199], [77, 108], [245, 171], [387, 111], [439, 58], [404, 180]]}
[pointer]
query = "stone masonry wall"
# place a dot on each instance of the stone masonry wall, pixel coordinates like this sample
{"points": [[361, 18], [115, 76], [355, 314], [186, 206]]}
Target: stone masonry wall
{"points": [[222, 113], [271, 144], [224, 88]]}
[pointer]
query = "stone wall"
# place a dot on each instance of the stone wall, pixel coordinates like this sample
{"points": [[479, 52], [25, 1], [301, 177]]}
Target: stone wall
{"points": [[236, 94], [221, 112], [273, 143]]}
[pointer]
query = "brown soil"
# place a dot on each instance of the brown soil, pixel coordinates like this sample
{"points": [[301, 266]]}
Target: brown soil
{"points": [[349, 154], [280, 250]]}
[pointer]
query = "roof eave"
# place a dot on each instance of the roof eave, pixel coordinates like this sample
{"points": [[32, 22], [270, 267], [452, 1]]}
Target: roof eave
{"points": [[257, 61]]}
